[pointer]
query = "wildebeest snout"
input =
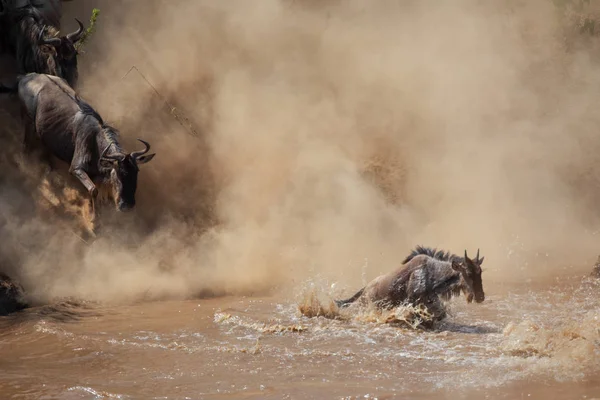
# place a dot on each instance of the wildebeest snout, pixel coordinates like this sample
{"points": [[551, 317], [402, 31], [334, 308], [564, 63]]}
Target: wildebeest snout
{"points": [[479, 298]]}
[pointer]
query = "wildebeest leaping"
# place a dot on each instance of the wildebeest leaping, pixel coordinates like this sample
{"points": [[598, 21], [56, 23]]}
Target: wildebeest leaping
{"points": [[67, 127], [29, 31]]}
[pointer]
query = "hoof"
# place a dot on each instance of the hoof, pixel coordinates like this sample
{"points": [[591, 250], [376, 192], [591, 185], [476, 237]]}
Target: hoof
{"points": [[96, 231]]}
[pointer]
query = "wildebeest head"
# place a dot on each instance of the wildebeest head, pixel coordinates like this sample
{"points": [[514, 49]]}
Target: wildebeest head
{"points": [[66, 53], [471, 277], [123, 171]]}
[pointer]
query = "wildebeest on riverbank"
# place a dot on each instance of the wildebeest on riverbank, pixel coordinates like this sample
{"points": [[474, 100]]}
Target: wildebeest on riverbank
{"points": [[421, 281], [61, 124], [29, 32]]}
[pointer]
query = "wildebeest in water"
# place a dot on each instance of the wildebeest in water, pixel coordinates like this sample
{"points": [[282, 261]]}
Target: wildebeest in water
{"points": [[421, 281], [29, 32], [70, 129]]}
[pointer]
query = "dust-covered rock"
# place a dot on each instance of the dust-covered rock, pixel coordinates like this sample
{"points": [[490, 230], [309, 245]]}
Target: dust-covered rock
{"points": [[11, 296]]}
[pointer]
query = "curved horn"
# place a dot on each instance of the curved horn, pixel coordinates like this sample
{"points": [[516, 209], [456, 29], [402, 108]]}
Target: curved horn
{"points": [[74, 37], [105, 150], [137, 154], [104, 156], [50, 41]]}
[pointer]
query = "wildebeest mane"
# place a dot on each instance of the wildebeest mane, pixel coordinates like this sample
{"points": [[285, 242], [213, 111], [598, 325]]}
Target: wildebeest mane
{"points": [[87, 109], [110, 133], [433, 253]]}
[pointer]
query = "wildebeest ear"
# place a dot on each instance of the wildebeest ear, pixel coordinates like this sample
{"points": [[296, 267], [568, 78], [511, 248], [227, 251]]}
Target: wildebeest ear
{"points": [[145, 159], [481, 260]]}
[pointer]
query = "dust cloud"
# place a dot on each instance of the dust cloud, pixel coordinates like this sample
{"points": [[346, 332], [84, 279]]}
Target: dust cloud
{"points": [[328, 139]]}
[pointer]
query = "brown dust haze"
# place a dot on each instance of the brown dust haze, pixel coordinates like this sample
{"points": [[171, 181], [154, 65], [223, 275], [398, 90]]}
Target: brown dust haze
{"points": [[332, 137]]}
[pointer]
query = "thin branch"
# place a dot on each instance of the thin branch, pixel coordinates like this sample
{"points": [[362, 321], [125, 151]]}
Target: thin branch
{"points": [[172, 109]]}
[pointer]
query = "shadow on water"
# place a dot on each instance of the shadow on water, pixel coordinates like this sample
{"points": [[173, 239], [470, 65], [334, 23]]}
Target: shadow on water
{"points": [[454, 327], [66, 311], [214, 293]]}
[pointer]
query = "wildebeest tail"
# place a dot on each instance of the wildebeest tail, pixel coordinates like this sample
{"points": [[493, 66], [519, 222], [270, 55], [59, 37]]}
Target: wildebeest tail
{"points": [[345, 303], [87, 109]]}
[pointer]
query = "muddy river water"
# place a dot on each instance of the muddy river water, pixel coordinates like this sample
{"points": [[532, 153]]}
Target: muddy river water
{"points": [[522, 342], [309, 81]]}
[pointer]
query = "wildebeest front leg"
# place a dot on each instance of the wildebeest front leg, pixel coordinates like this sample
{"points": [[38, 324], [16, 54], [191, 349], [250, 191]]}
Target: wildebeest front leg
{"points": [[80, 163], [416, 287], [83, 177]]}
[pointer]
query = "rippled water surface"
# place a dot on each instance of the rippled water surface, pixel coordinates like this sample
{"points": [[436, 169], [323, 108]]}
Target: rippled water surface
{"points": [[530, 342]]}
